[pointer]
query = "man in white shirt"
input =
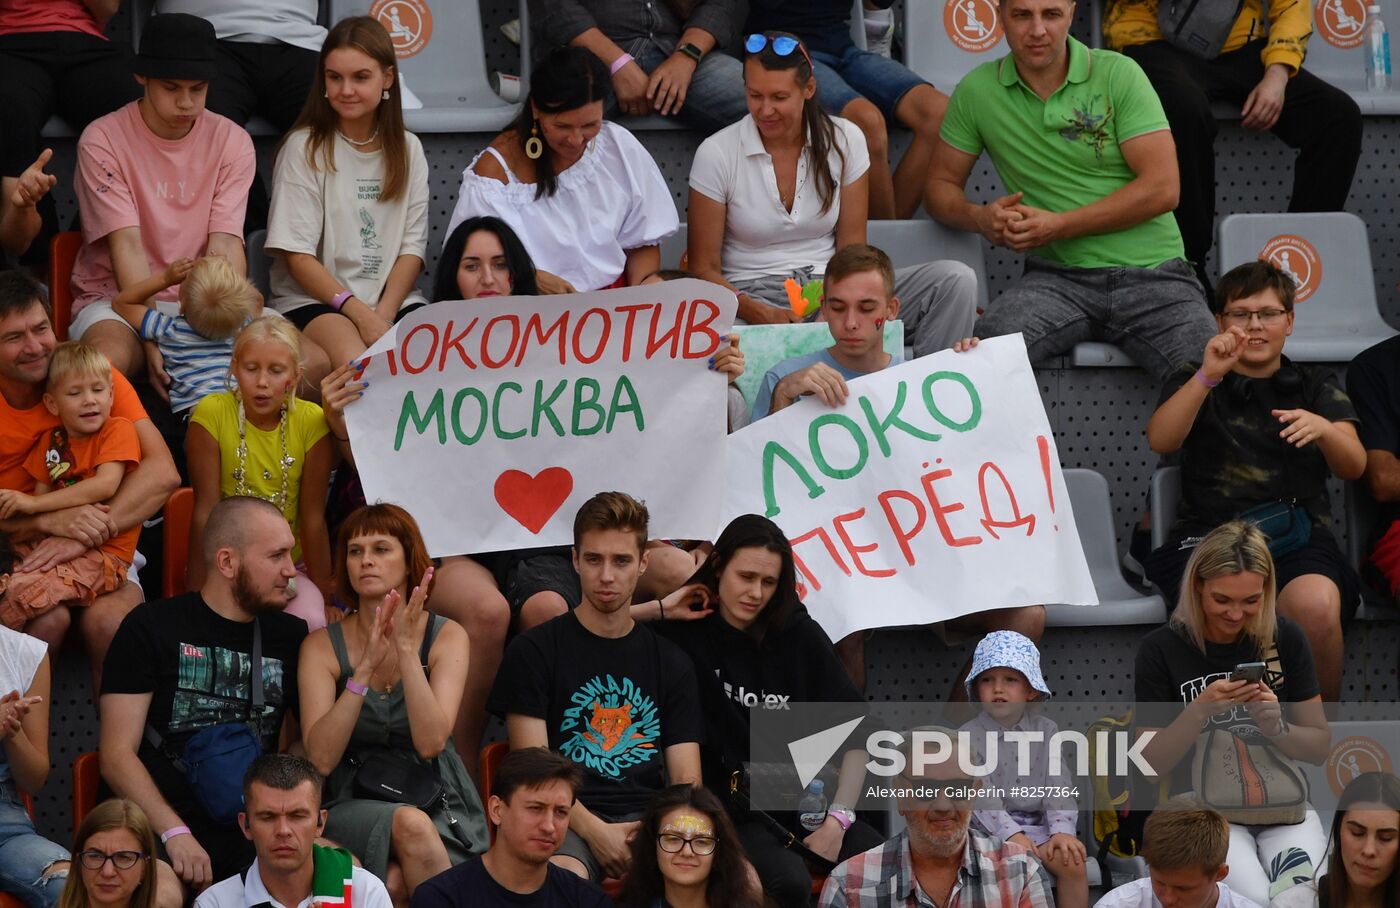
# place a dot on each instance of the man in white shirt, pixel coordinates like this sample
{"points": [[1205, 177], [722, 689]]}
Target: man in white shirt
{"points": [[1184, 844], [283, 816]]}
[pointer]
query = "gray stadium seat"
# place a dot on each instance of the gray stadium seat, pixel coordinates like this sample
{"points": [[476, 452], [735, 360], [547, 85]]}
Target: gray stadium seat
{"points": [[909, 242], [1340, 317], [930, 50], [1162, 498], [449, 74], [1339, 22], [1119, 603]]}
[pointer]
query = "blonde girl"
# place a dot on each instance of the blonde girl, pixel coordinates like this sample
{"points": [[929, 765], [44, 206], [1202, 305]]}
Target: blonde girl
{"points": [[349, 220], [258, 438]]}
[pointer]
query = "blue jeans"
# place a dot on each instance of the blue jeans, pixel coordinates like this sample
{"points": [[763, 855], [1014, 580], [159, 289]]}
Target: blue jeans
{"points": [[25, 857], [860, 74], [715, 98]]}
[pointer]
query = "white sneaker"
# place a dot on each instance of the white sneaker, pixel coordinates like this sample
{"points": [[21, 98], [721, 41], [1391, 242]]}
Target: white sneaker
{"points": [[879, 37]]}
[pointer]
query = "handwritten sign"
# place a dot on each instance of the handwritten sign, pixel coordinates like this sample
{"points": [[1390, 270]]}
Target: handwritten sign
{"points": [[934, 492], [491, 421]]}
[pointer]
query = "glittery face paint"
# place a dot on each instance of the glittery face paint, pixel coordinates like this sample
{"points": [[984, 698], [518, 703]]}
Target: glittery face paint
{"points": [[688, 825]]}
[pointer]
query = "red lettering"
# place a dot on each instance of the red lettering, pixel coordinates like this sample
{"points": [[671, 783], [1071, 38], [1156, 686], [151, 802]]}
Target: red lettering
{"points": [[451, 342], [692, 328], [990, 525], [535, 326], [855, 550], [602, 339], [901, 535], [941, 511], [830, 550], [428, 360], [486, 358], [672, 336], [631, 311]]}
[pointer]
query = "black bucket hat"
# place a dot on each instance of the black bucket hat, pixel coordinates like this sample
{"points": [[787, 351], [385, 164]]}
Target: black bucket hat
{"points": [[177, 46]]}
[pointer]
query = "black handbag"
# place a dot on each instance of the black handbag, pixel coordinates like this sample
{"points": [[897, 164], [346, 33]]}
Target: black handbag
{"points": [[383, 775], [1288, 526]]}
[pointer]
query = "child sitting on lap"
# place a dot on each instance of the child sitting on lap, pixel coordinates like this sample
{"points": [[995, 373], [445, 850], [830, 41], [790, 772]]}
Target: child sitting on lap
{"points": [[81, 462], [196, 345], [1005, 677]]}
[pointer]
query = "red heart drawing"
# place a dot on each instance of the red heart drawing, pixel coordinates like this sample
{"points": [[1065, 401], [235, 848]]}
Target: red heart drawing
{"points": [[532, 500]]}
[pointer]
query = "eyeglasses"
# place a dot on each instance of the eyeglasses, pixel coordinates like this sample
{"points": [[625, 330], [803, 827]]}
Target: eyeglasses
{"points": [[701, 845], [93, 859], [783, 45], [1243, 316]]}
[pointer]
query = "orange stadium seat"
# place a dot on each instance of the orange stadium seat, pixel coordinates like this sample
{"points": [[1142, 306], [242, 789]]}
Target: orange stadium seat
{"points": [[87, 778], [63, 253], [176, 533]]}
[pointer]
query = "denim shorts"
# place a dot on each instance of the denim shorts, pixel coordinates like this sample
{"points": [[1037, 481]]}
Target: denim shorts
{"points": [[25, 855], [860, 74]]}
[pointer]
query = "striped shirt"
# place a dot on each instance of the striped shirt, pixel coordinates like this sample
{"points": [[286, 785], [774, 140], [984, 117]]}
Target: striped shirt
{"points": [[196, 365], [994, 874]]}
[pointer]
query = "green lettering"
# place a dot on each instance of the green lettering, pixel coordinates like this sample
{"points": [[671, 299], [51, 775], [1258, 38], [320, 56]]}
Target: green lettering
{"points": [[586, 394], [630, 405], [880, 427], [457, 402], [496, 410], [544, 406], [773, 452], [973, 418], [815, 443], [421, 421]]}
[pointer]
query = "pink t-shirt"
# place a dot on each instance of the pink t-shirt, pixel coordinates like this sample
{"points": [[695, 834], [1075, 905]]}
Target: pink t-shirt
{"points": [[178, 191], [20, 16]]}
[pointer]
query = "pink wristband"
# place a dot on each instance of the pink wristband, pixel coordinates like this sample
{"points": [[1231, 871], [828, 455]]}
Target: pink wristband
{"points": [[339, 299], [1200, 376], [620, 62], [172, 832], [356, 687]]}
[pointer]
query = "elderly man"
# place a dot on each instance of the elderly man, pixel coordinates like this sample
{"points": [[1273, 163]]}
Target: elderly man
{"points": [[938, 860]]}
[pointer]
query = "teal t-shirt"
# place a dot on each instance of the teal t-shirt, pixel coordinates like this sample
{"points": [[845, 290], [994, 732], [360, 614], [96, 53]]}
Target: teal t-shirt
{"points": [[1066, 152]]}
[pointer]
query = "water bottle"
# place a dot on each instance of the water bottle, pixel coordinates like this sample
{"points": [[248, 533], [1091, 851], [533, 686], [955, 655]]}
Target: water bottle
{"points": [[1377, 51], [811, 810]]}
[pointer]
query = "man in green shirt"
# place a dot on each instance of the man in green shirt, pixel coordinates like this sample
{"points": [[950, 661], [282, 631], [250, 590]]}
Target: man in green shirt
{"points": [[1079, 138]]}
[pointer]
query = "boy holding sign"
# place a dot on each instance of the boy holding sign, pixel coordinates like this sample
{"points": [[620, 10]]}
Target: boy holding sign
{"points": [[857, 301]]}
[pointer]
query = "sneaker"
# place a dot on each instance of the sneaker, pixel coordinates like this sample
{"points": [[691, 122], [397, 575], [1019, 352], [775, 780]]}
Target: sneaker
{"points": [[879, 37]]}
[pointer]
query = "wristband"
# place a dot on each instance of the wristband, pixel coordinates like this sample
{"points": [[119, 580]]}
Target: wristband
{"points": [[172, 832], [619, 63], [339, 299], [1200, 376], [356, 687], [842, 815]]}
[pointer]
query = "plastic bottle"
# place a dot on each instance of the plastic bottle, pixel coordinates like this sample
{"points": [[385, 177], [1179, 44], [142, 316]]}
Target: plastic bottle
{"points": [[811, 810], [1377, 51]]}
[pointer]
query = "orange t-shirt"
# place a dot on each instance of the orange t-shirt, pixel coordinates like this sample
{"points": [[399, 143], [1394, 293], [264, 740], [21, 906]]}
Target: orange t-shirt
{"points": [[60, 462], [20, 430]]}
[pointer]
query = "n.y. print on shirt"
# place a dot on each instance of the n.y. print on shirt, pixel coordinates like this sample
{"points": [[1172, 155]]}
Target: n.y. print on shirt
{"points": [[610, 726]]}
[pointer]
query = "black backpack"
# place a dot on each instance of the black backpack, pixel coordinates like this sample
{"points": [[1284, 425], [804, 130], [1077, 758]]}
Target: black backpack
{"points": [[1199, 27]]}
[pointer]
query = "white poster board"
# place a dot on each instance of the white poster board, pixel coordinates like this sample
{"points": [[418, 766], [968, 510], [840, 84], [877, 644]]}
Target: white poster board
{"points": [[492, 421], [934, 492]]}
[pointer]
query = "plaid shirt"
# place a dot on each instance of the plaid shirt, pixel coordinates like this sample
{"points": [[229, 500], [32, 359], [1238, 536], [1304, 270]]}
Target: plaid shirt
{"points": [[994, 874]]}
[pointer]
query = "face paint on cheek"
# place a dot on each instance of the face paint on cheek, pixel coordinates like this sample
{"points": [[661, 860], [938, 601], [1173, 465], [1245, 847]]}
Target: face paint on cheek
{"points": [[689, 825]]}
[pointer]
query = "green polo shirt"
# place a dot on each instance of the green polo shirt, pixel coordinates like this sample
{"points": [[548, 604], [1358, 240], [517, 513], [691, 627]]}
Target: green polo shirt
{"points": [[1067, 152]]}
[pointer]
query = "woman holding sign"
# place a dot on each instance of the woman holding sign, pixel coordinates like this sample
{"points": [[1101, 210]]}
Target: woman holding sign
{"points": [[584, 195], [379, 694], [349, 220], [774, 196], [760, 641], [1228, 684]]}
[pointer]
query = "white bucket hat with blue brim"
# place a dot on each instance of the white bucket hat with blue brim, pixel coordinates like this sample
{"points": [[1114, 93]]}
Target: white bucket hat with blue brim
{"points": [[1007, 649]]}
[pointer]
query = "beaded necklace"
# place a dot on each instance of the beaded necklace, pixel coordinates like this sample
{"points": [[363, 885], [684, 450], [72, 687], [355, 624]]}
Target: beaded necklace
{"points": [[285, 462]]}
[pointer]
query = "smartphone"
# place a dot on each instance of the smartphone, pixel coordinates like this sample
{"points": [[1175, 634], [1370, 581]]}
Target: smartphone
{"points": [[1253, 672]]}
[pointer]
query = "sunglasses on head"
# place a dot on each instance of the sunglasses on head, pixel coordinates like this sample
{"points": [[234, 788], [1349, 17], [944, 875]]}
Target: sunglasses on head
{"points": [[783, 45]]}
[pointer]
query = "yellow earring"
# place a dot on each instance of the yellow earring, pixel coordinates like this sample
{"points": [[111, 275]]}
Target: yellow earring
{"points": [[534, 148]]}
